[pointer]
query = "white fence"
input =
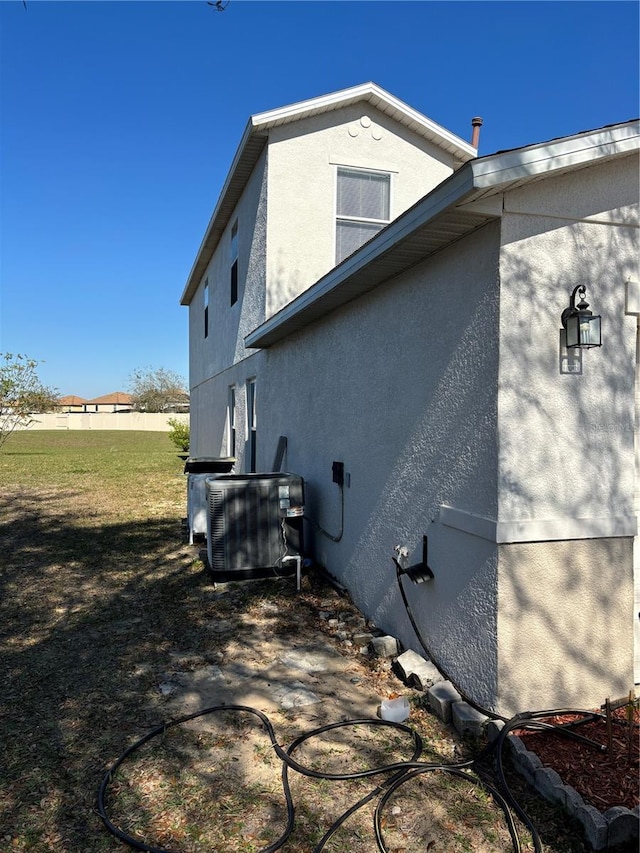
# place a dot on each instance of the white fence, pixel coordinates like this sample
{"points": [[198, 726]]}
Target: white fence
{"points": [[106, 420]]}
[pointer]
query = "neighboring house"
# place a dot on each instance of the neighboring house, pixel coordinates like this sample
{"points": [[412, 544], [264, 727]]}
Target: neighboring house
{"points": [[116, 402], [72, 403], [432, 363], [178, 403]]}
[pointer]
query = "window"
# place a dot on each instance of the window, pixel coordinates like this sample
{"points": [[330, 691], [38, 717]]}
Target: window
{"points": [[362, 208], [206, 307], [251, 425], [231, 421], [234, 263]]}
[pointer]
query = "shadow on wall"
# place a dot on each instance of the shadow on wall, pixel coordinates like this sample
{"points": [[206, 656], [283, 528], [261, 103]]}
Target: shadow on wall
{"points": [[555, 431]]}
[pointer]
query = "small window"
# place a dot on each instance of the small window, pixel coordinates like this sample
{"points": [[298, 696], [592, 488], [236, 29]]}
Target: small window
{"points": [[252, 426], [362, 209], [206, 307], [231, 422], [234, 263]]}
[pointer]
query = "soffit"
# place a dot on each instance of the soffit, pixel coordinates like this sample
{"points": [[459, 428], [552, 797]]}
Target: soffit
{"points": [[394, 250], [245, 160]]}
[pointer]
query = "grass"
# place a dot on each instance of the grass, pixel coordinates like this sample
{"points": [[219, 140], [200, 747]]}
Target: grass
{"points": [[99, 594]]}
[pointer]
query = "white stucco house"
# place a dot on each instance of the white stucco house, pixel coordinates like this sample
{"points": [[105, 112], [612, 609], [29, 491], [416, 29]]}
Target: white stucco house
{"points": [[374, 291]]}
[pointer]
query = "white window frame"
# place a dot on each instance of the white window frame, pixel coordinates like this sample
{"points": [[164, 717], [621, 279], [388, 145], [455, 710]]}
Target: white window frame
{"points": [[381, 223], [252, 426], [231, 421]]}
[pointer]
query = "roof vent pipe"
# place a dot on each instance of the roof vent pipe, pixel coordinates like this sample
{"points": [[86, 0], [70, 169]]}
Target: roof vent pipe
{"points": [[476, 124]]}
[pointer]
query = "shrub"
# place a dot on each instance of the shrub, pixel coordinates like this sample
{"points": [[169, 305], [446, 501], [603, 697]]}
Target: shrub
{"points": [[179, 434]]}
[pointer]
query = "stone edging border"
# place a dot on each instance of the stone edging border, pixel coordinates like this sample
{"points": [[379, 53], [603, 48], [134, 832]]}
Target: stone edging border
{"points": [[603, 830]]}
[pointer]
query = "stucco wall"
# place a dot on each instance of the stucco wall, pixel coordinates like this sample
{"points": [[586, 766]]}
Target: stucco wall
{"points": [[303, 159], [566, 635], [209, 411], [566, 439], [402, 389], [229, 324]]}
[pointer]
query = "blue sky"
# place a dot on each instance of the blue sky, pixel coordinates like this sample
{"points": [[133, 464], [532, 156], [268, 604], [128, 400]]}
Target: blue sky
{"points": [[119, 121]]}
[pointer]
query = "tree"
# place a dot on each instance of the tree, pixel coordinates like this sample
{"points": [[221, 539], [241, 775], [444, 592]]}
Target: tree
{"points": [[158, 390], [22, 394]]}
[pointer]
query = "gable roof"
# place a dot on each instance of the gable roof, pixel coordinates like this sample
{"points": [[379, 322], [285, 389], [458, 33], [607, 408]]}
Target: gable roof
{"points": [[465, 201], [256, 135], [117, 398], [72, 400]]}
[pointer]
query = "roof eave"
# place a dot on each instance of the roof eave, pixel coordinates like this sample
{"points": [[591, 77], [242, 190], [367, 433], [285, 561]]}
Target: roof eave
{"points": [[311, 304], [535, 161], [487, 176]]}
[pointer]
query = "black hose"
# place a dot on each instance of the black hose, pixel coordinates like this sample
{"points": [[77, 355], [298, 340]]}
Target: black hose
{"points": [[401, 771], [527, 720], [454, 771], [486, 711], [137, 843]]}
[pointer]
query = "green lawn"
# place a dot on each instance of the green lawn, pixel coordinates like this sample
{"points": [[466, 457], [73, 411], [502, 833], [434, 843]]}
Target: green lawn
{"points": [[124, 461]]}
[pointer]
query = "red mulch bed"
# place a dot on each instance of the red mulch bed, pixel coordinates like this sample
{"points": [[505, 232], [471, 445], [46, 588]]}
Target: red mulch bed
{"points": [[603, 779]]}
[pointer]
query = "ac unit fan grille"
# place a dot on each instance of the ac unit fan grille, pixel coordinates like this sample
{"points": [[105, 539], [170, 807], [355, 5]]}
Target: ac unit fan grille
{"points": [[246, 530]]}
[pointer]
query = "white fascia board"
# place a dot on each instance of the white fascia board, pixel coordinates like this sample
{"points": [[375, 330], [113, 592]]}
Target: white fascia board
{"points": [[372, 93], [292, 112], [453, 190], [563, 153]]}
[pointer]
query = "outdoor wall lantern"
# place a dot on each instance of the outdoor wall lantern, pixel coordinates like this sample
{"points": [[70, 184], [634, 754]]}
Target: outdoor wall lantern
{"points": [[582, 327]]}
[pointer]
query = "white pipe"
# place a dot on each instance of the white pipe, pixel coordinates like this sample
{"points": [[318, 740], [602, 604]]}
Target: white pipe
{"points": [[298, 560]]}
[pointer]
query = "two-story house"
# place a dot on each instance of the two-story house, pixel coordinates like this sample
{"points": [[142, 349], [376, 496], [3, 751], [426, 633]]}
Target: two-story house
{"points": [[372, 290]]}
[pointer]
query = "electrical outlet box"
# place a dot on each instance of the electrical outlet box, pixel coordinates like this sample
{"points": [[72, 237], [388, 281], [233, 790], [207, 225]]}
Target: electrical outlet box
{"points": [[338, 473]]}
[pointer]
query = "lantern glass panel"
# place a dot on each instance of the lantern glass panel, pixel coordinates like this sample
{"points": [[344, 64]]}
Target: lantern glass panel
{"points": [[590, 332], [573, 331]]}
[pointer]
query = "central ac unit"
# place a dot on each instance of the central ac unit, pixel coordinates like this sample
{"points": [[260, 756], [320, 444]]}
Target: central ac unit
{"points": [[197, 470], [254, 521]]}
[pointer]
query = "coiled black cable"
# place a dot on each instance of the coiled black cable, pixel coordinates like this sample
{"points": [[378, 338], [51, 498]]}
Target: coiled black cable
{"points": [[402, 772]]}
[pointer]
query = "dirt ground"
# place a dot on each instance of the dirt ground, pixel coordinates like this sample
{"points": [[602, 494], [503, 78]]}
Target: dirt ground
{"points": [[111, 626]]}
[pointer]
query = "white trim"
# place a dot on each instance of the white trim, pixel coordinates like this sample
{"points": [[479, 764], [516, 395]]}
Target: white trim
{"points": [[537, 530], [452, 190], [558, 154], [359, 220], [633, 298], [378, 98], [362, 165], [256, 135]]}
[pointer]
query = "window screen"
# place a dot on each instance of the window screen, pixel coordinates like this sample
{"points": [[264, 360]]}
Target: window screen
{"points": [[351, 235], [364, 195], [362, 208]]}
